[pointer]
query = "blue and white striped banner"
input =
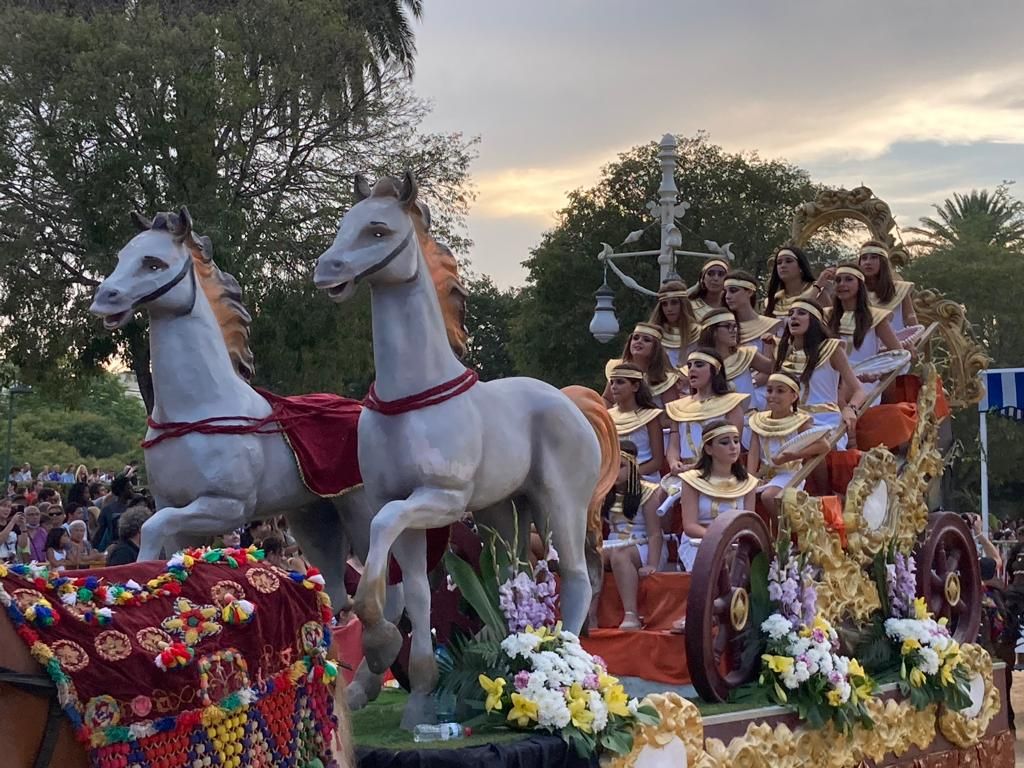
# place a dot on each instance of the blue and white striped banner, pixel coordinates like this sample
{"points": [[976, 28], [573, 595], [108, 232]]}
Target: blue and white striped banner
{"points": [[1004, 388]]}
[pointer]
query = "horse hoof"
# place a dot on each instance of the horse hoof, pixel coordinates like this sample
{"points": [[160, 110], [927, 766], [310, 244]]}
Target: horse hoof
{"points": [[356, 697], [420, 708], [381, 644]]}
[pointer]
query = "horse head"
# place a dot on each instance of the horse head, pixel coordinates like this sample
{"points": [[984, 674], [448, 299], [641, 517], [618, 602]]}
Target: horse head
{"points": [[153, 270], [373, 239]]}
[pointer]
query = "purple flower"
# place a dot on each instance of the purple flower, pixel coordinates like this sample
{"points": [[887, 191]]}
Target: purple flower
{"points": [[590, 682], [526, 602], [901, 585], [521, 680]]}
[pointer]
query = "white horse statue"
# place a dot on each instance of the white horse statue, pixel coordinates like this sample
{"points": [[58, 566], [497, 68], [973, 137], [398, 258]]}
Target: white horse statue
{"points": [[435, 444], [205, 484]]}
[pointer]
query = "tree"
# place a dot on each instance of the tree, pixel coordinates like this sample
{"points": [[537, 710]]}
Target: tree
{"points": [[983, 218], [737, 198], [489, 315], [255, 114]]}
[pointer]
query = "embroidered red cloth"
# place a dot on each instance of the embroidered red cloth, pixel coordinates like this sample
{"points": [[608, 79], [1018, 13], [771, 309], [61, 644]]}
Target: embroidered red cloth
{"points": [[253, 640], [323, 432]]}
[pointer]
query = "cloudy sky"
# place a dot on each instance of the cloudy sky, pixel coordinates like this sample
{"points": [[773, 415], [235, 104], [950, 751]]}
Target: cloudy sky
{"points": [[915, 99]]}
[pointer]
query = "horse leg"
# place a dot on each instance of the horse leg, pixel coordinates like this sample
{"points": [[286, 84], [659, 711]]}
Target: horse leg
{"points": [[365, 686], [411, 553], [321, 534], [425, 508], [173, 526]]}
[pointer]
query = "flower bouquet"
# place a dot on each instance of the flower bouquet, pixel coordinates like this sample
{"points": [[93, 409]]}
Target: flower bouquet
{"points": [[801, 666], [523, 670], [931, 668]]}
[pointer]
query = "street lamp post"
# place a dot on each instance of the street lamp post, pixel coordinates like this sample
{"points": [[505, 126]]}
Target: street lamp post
{"points": [[666, 211], [14, 389]]}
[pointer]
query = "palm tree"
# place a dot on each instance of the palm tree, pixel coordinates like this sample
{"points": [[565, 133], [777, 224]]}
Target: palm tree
{"points": [[979, 217], [387, 28]]}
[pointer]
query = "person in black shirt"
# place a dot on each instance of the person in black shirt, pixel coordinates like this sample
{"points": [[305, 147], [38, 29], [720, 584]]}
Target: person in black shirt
{"points": [[126, 550], [106, 527]]}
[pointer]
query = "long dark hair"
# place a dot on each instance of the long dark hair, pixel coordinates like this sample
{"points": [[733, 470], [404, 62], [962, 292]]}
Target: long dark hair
{"points": [[705, 462], [707, 335], [719, 384], [644, 396], [861, 311], [701, 289], [885, 284], [54, 536], [631, 496], [658, 368], [739, 274], [686, 316], [816, 333], [775, 283]]}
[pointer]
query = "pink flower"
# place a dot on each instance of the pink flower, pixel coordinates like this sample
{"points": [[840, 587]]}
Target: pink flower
{"points": [[521, 680], [590, 682]]}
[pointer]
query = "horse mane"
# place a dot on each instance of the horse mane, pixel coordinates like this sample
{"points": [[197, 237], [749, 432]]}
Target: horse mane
{"points": [[444, 269], [221, 289]]}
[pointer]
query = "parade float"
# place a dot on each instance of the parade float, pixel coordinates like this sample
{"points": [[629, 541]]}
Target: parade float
{"points": [[839, 632]]}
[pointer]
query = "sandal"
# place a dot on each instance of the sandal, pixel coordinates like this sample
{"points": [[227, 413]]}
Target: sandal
{"points": [[630, 622], [678, 626]]}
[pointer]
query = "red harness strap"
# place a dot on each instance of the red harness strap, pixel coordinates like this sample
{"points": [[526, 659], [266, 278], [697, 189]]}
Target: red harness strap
{"points": [[433, 396]]}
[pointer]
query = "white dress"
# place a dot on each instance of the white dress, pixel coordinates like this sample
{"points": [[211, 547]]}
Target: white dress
{"points": [[623, 532], [820, 396], [870, 346], [692, 414], [772, 434], [752, 331], [632, 426], [716, 497], [894, 306], [672, 343]]}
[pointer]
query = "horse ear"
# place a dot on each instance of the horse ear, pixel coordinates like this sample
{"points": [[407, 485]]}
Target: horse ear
{"points": [[361, 188], [141, 222], [425, 213], [184, 222], [407, 194], [206, 246]]}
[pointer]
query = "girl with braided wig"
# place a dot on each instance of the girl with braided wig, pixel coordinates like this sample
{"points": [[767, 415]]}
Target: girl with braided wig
{"points": [[674, 316], [644, 350], [637, 418], [633, 549], [884, 291]]}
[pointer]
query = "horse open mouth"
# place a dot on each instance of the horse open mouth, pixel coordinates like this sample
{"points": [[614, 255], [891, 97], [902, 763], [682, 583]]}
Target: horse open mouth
{"points": [[112, 322], [341, 291]]}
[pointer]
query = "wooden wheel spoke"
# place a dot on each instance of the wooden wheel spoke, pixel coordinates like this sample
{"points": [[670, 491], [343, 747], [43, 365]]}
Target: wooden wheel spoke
{"points": [[721, 641], [724, 584], [953, 561], [720, 606]]}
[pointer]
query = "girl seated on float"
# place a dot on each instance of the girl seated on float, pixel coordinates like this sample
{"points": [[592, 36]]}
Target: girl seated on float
{"points": [[719, 485], [709, 293], [792, 279], [720, 331], [755, 330], [771, 429], [674, 316], [637, 418], [633, 549], [711, 398], [885, 292], [643, 349], [864, 329]]}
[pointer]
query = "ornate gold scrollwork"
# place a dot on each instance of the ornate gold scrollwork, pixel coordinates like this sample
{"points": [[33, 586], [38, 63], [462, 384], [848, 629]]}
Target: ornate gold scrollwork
{"points": [[870, 512], [964, 357], [860, 204], [680, 719], [966, 728]]}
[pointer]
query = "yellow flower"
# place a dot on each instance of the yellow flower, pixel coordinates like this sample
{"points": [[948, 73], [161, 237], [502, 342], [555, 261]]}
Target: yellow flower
{"points": [[493, 689], [606, 681], [523, 710], [920, 609], [909, 646], [835, 698], [778, 664], [581, 716], [917, 677], [854, 669], [820, 623], [617, 701], [946, 672]]}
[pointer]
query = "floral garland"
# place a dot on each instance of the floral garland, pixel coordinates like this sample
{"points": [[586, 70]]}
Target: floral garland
{"points": [[802, 666], [931, 662]]}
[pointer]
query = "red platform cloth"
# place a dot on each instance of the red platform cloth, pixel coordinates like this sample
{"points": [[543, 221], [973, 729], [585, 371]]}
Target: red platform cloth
{"points": [[323, 433]]}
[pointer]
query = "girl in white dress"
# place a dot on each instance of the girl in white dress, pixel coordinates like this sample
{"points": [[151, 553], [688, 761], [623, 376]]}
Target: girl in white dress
{"points": [[709, 293], [637, 418], [644, 350], [674, 316], [633, 549], [721, 332], [712, 398], [792, 279], [884, 291], [771, 429], [829, 390], [864, 329], [719, 485]]}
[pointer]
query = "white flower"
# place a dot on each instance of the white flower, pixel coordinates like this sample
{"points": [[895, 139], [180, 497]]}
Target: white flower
{"points": [[520, 644], [597, 706], [552, 711], [632, 706], [776, 626], [929, 661]]}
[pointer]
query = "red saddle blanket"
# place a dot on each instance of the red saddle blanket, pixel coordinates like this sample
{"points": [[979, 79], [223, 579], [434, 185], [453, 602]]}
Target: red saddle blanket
{"points": [[323, 433], [212, 654]]}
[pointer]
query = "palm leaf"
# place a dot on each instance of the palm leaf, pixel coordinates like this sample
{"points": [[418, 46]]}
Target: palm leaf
{"points": [[475, 593]]}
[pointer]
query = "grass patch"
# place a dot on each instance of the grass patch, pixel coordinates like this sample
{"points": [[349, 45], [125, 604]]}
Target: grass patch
{"points": [[379, 725]]}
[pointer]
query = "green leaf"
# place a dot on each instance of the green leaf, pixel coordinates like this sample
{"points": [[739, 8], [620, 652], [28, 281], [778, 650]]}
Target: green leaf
{"points": [[475, 593]]}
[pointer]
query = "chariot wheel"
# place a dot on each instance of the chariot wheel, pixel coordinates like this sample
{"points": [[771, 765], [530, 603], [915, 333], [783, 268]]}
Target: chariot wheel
{"points": [[948, 575], [718, 618]]}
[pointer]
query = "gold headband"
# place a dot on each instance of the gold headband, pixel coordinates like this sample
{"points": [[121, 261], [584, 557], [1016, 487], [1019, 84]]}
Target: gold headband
{"points": [[706, 358], [850, 270], [714, 263], [673, 295], [717, 317], [781, 378], [711, 434], [865, 249], [649, 329], [739, 282], [808, 308], [786, 250], [620, 372]]}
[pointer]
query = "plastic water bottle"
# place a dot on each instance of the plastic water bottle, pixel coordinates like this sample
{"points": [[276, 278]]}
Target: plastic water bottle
{"points": [[440, 732]]}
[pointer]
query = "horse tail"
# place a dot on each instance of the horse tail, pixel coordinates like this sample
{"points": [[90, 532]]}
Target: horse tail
{"points": [[596, 413]]}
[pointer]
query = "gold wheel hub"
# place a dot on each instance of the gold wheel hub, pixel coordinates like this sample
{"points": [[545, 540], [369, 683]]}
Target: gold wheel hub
{"points": [[952, 588], [739, 609]]}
